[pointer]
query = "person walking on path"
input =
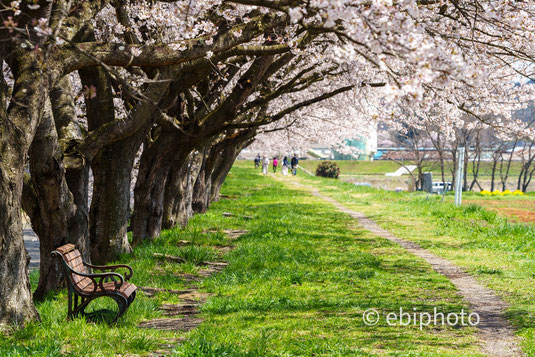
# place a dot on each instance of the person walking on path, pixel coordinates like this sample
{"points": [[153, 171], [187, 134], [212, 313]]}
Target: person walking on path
{"points": [[265, 165], [294, 163], [285, 165], [275, 164], [257, 161]]}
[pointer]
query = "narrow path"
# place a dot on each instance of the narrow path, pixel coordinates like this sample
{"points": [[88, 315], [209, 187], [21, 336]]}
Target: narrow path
{"points": [[184, 315], [494, 330], [31, 242]]}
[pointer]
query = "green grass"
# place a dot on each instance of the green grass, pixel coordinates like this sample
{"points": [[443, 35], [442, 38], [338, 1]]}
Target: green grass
{"points": [[500, 254], [296, 285]]}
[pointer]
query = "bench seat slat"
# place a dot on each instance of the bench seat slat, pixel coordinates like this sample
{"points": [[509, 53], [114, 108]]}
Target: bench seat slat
{"points": [[85, 283], [73, 256]]}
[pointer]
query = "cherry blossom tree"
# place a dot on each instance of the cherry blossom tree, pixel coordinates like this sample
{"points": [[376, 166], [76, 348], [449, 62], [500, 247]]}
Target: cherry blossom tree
{"points": [[86, 84]]}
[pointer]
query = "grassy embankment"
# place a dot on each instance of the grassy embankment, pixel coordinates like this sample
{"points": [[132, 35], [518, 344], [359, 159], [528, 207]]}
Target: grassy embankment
{"points": [[499, 253], [297, 284]]}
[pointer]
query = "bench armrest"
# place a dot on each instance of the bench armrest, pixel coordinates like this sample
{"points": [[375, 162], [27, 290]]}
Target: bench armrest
{"points": [[101, 277], [103, 268]]}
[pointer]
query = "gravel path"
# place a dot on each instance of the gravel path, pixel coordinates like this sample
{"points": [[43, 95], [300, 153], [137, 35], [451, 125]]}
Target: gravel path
{"points": [[494, 330], [31, 242]]}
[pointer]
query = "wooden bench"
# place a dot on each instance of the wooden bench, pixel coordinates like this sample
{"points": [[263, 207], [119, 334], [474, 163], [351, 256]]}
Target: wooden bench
{"points": [[83, 283]]}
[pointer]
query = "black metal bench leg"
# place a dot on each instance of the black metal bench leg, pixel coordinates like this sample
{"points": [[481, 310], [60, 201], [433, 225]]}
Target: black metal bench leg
{"points": [[70, 307], [80, 308], [122, 304]]}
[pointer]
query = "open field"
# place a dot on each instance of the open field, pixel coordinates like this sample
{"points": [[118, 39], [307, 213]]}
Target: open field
{"points": [[297, 284], [381, 167], [500, 254], [515, 208], [373, 172]]}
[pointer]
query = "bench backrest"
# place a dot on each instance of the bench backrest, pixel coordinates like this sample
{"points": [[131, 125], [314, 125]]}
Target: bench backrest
{"points": [[74, 261]]}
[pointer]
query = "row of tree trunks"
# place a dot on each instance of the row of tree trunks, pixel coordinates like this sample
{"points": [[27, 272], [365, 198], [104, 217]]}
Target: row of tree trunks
{"points": [[220, 173], [156, 160]]}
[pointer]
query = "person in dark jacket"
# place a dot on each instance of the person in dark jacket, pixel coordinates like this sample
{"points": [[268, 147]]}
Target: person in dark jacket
{"points": [[257, 161], [285, 165], [294, 162]]}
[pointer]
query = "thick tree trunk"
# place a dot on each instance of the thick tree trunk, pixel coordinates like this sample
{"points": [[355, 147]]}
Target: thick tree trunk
{"points": [[203, 184], [77, 171], [220, 173], [178, 194], [16, 304], [148, 205], [175, 210], [154, 166], [16, 134], [52, 210], [112, 172]]}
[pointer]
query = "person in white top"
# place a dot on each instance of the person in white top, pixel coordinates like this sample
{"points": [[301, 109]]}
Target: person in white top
{"points": [[265, 165]]}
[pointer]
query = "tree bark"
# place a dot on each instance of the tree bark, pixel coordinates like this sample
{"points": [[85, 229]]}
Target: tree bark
{"points": [[110, 204], [228, 157], [202, 187], [156, 160], [178, 196], [17, 128], [77, 177], [112, 172], [16, 303], [52, 210]]}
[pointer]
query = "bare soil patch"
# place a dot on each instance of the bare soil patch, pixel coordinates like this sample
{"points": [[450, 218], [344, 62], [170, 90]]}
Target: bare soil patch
{"points": [[517, 210]]}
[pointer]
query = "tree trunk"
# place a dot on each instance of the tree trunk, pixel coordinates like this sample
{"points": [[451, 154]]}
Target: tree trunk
{"points": [[110, 204], [16, 304], [52, 210], [202, 187], [178, 194], [156, 160], [112, 172], [174, 207], [505, 176], [228, 157], [76, 171], [17, 128], [493, 171]]}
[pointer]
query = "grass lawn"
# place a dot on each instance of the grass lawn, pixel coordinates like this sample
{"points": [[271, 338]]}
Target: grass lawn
{"points": [[297, 285], [497, 252]]}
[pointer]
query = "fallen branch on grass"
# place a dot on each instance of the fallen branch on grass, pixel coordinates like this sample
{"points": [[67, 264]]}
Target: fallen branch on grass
{"points": [[228, 214], [169, 257]]}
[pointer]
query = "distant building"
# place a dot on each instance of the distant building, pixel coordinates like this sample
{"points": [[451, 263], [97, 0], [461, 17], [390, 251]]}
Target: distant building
{"points": [[361, 148]]}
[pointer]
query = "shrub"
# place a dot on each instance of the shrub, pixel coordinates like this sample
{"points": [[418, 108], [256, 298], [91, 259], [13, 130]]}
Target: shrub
{"points": [[485, 193], [328, 169], [518, 192], [507, 192], [496, 193]]}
